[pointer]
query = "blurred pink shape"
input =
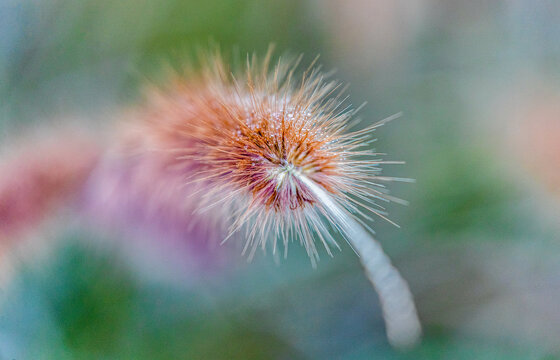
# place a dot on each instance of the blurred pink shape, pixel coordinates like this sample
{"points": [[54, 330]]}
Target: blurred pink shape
{"points": [[37, 177], [136, 194], [536, 138]]}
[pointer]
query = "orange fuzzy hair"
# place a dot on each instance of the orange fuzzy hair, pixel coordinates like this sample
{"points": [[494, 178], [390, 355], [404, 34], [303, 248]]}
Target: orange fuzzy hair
{"points": [[244, 139]]}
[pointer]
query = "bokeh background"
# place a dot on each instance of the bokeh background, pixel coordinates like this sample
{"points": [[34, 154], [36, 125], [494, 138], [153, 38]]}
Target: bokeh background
{"points": [[479, 85]]}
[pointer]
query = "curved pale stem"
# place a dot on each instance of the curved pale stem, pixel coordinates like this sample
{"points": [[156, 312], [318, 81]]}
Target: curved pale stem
{"points": [[399, 311]]}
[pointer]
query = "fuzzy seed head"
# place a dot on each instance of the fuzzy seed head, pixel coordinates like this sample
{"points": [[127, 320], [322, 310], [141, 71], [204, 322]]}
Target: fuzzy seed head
{"points": [[247, 141]]}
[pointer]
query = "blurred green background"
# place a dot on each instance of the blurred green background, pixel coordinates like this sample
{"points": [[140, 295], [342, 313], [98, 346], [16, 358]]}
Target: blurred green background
{"points": [[479, 85]]}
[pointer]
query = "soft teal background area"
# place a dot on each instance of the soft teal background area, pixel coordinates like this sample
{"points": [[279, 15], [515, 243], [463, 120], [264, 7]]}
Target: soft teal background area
{"points": [[478, 243]]}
